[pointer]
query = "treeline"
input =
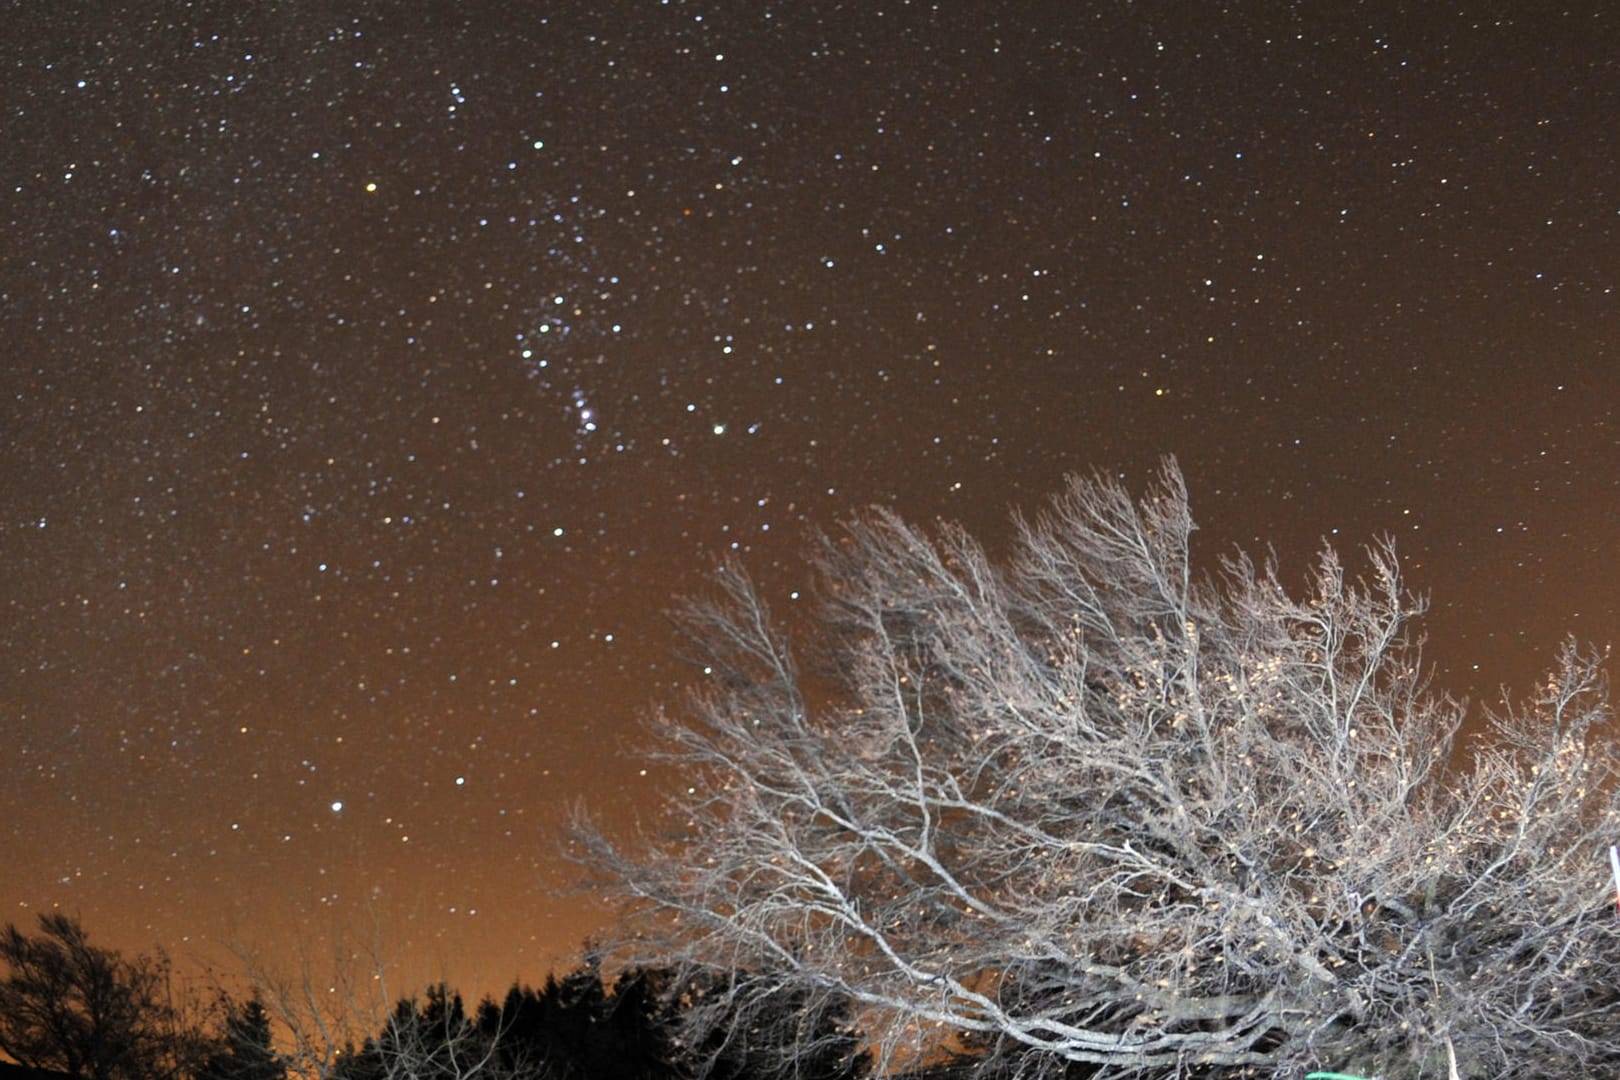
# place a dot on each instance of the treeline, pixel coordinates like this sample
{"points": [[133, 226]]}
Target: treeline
{"points": [[584, 1026], [78, 1010]]}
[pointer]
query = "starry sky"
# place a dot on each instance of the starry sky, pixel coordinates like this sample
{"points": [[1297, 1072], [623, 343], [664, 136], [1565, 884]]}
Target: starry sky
{"points": [[376, 376]]}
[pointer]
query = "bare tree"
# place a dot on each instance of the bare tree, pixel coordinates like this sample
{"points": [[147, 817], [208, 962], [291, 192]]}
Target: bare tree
{"points": [[429, 1040], [335, 1022], [320, 1010], [1086, 807]]}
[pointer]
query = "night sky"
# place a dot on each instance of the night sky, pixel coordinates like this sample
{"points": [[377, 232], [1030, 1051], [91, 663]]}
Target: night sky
{"points": [[377, 375]]}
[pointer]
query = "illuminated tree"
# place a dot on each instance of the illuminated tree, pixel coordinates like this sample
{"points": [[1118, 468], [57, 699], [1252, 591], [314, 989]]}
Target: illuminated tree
{"points": [[429, 1040], [784, 1030], [1085, 806]]}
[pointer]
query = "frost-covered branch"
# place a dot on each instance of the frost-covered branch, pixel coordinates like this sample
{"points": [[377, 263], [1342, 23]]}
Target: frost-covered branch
{"points": [[1083, 807]]}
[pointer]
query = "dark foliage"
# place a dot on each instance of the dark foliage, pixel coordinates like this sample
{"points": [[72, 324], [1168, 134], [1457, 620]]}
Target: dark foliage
{"points": [[75, 1008], [579, 1027], [247, 1045]]}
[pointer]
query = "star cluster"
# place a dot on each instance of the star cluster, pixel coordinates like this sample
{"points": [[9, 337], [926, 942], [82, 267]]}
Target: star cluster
{"points": [[377, 375]]}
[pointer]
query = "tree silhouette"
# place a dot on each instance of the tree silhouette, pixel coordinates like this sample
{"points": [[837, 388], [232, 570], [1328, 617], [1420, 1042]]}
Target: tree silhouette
{"points": [[578, 1027], [1084, 808], [635, 1027], [429, 1040], [247, 1050], [73, 1007]]}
